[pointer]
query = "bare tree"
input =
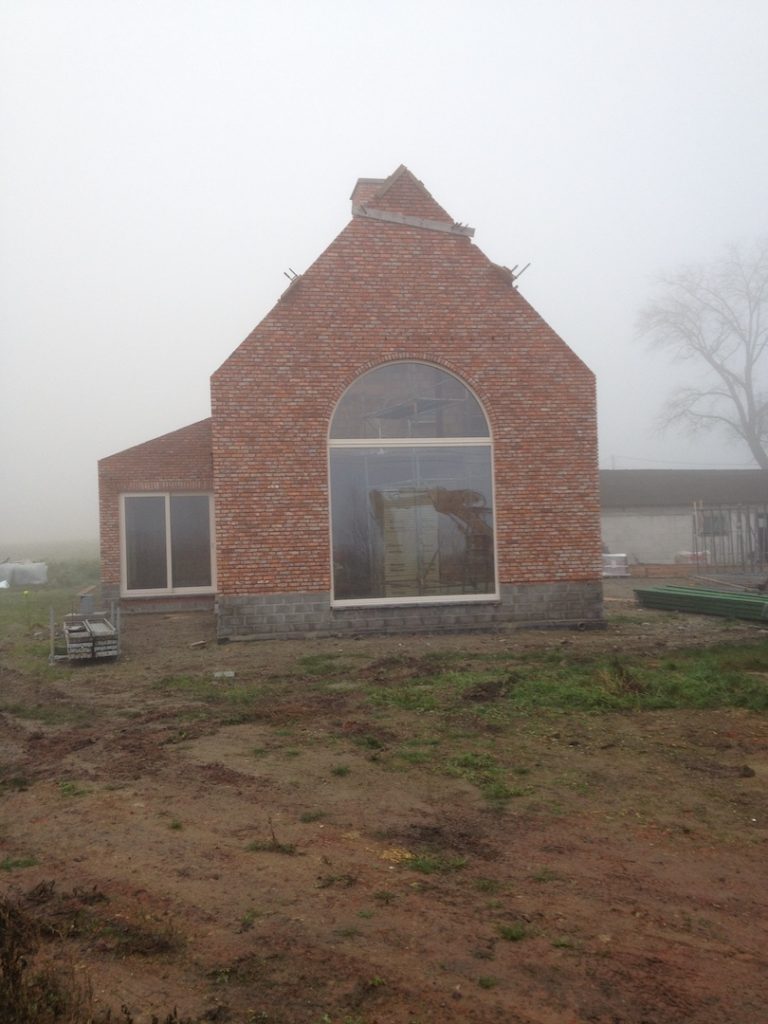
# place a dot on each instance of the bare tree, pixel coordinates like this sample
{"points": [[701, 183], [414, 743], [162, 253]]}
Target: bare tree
{"points": [[716, 316]]}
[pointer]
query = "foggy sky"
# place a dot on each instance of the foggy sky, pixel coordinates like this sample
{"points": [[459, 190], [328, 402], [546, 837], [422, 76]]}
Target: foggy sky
{"points": [[163, 163]]}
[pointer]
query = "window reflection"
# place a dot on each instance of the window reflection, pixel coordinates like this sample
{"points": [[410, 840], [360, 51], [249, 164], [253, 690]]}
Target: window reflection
{"points": [[145, 543], [148, 541], [412, 521], [402, 400]]}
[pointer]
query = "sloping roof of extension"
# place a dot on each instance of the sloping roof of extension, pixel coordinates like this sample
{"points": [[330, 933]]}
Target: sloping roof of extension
{"points": [[183, 455], [663, 488]]}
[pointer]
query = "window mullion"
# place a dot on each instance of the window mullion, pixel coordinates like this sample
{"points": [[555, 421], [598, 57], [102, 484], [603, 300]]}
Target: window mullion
{"points": [[168, 546]]}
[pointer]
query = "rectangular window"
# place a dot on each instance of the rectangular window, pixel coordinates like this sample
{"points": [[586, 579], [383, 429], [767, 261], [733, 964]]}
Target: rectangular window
{"points": [[167, 543], [145, 561], [412, 522]]}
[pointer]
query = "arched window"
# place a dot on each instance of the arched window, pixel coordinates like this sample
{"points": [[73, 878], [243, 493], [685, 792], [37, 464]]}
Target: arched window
{"points": [[411, 489]]}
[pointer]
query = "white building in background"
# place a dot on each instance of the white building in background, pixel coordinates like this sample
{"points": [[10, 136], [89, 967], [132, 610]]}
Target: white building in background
{"points": [[658, 516]]}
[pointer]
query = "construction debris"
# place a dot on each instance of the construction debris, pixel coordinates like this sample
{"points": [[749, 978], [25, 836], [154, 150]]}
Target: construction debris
{"points": [[84, 637]]}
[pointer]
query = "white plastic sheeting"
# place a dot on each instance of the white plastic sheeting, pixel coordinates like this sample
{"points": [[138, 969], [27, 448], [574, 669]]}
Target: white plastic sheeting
{"points": [[23, 574]]}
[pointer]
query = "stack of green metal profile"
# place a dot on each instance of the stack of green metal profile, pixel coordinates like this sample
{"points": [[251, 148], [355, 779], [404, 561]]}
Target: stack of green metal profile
{"points": [[705, 602]]}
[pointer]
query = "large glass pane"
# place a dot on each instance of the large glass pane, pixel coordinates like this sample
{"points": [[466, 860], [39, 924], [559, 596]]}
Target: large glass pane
{"points": [[408, 400], [145, 551], [412, 521], [190, 541]]}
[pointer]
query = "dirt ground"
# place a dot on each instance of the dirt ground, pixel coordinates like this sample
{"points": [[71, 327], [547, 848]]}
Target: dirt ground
{"points": [[296, 857]]}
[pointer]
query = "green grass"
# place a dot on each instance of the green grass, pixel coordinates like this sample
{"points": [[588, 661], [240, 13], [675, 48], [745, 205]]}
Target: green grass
{"points": [[71, 789], [271, 846], [513, 932], [484, 771], [487, 885], [545, 874], [416, 698], [242, 698], [49, 714], [431, 864], [25, 609], [13, 863], [307, 817], [384, 896], [15, 784], [722, 676]]}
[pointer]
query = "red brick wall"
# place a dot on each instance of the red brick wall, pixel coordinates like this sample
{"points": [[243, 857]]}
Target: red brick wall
{"points": [[179, 461], [380, 292]]}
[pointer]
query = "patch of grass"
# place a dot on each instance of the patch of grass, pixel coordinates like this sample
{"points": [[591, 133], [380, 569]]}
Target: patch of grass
{"points": [[563, 942], [487, 982], [414, 757], [545, 874], [717, 677], [483, 771], [247, 920], [487, 885], [319, 664], [14, 784], [49, 714], [340, 770], [241, 696], [384, 896], [271, 846], [345, 881], [513, 932], [472, 764], [175, 825], [498, 792], [307, 817], [72, 789], [14, 863], [368, 742], [127, 938], [349, 932], [431, 864], [416, 698]]}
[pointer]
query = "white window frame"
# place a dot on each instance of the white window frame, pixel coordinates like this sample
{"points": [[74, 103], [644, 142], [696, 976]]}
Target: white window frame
{"points": [[415, 442], [165, 591]]}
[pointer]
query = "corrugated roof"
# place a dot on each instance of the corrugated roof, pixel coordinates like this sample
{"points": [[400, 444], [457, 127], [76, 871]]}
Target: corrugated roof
{"points": [[654, 488]]}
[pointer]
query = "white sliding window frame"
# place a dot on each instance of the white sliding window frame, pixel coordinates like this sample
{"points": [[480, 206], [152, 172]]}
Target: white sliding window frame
{"points": [[161, 561]]}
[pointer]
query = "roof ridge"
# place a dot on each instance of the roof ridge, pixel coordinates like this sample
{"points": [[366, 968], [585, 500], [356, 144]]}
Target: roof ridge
{"points": [[374, 192]]}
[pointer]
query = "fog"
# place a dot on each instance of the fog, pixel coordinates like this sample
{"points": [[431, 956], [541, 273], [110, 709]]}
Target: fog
{"points": [[163, 163]]}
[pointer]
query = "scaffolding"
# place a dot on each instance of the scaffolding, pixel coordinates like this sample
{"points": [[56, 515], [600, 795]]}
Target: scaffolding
{"points": [[731, 538]]}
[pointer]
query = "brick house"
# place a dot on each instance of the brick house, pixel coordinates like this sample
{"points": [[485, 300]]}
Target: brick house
{"points": [[402, 443]]}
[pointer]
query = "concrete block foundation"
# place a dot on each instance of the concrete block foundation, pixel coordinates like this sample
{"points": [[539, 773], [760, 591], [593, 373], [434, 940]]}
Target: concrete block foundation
{"points": [[274, 616]]}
